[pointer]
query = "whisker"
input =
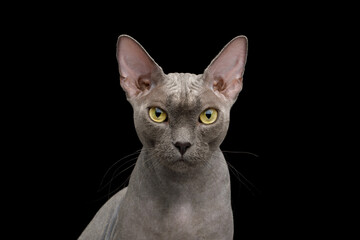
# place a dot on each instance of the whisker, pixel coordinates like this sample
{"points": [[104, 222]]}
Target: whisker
{"points": [[116, 173], [121, 186], [241, 152], [110, 193], [113, 165], [236, 173], [239, 175], [124, 182], [132, 165], [112, 177]]}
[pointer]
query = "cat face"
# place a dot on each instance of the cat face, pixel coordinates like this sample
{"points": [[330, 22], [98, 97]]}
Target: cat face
{"points": [[181, 118], [181, 136]]}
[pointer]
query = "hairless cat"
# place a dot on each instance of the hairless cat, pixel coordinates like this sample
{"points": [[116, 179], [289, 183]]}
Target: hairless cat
{"points": [[180, 186]]}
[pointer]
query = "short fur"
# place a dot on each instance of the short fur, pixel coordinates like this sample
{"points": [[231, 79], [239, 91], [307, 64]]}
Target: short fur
{"points": [[173, 195]]}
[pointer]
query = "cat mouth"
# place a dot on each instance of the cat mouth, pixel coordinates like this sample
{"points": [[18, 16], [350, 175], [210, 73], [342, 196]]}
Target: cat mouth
{"points": [[180, 159], [183, 161], [180, 164]]}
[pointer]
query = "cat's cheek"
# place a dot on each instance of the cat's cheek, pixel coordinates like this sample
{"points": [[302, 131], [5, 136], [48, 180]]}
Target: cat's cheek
{"points": [[210, 135], [150, 133]]}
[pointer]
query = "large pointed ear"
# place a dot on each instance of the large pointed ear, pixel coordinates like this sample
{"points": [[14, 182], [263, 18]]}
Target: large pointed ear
{"points": [[225, 72], [138, 71]]}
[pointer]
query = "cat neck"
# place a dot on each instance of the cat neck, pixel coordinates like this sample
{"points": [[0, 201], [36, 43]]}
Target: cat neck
{"points": [[151, 178]]}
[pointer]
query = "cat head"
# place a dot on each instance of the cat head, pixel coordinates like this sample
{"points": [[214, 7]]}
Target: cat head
{"points": [[181, 118]]}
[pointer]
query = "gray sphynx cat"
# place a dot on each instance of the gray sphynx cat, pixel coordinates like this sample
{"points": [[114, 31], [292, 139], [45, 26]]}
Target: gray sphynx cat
{"points": [[180, 186]]}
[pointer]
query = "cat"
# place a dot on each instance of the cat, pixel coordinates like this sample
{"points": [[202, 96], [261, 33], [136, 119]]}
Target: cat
{"points": [[180, 185]]}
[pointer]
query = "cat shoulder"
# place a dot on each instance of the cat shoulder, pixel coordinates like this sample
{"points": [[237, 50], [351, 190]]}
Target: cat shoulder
{"points": [[104, 221]]}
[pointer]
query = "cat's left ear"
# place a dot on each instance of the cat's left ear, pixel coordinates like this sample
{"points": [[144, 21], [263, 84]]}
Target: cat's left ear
{"points": [[225, 72]]}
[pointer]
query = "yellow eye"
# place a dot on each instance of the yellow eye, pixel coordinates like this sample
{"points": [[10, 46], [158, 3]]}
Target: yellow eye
{"points": [[208, 116], [157, 114]]}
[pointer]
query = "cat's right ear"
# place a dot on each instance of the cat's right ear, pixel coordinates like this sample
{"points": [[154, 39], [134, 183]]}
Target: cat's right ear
{"points": [[138, 71]]}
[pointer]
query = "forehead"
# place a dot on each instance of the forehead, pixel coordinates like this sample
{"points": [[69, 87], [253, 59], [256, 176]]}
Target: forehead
{"points": [[183, 89]]}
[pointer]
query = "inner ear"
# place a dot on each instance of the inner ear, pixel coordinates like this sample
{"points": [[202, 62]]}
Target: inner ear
{"points": [[138, 71], [144, 83], [225, 72], [218, 84]]}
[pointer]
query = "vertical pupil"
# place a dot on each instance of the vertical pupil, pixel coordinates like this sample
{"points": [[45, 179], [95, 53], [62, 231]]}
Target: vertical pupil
{"points": [[157, 112], [208, 114]]}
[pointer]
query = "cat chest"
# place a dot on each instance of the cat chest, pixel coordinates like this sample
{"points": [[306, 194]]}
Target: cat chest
{"points": [[182, 215], [185, 221], [151, 220]]}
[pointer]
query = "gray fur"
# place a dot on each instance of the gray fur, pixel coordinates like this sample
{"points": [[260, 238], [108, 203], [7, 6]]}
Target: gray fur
{"points": [[170, 195]]}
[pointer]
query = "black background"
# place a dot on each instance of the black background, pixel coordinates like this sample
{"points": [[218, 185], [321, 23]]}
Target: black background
{"points": [[84, 124]]}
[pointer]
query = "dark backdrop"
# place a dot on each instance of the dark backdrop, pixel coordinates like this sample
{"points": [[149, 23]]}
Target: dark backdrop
{"points": [[87, 123]]}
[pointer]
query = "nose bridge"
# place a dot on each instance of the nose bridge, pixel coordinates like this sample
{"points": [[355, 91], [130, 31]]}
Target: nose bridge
{"points": [[182, 116], [182, 134]]}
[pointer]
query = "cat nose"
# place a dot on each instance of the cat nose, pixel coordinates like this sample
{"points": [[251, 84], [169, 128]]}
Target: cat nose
{"points": [[182, 146]]}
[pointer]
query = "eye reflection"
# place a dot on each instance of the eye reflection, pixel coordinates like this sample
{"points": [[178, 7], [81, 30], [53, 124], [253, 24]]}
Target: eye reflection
{"points": [[208, 116], [157, 114]]}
